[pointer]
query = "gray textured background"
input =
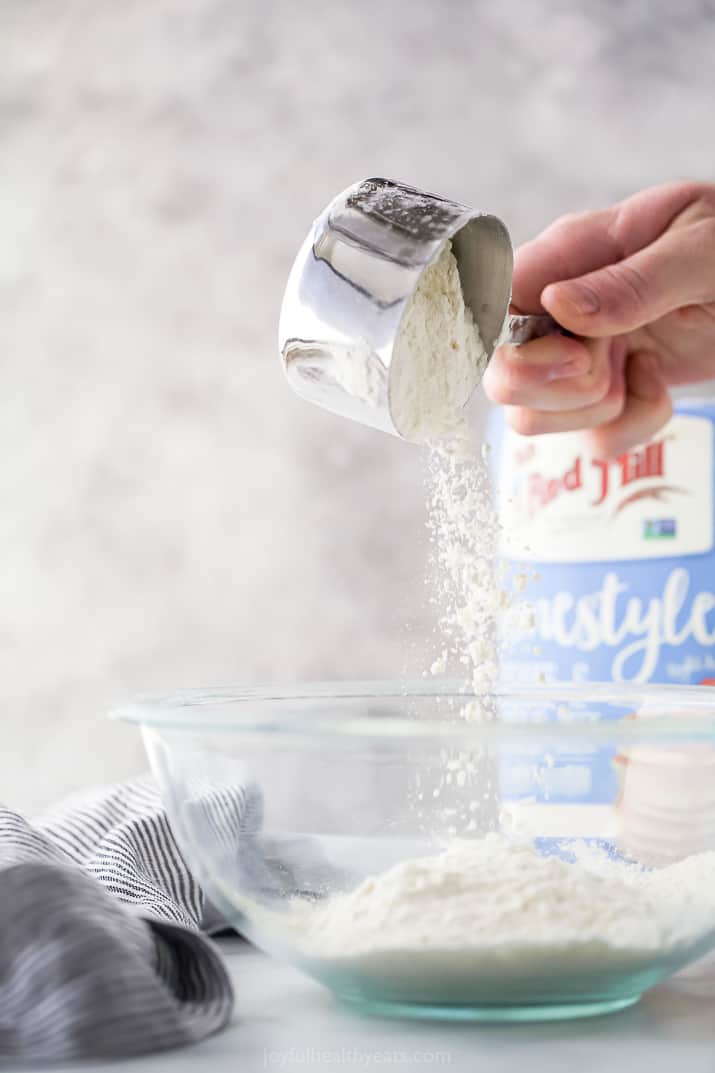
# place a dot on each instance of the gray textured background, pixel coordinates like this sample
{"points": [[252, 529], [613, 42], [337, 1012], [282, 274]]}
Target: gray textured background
{"points": [[169, 513]]}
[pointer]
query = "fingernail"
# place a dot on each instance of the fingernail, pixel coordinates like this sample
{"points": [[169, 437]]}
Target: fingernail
{"points": [[580, 296], [576, 367]]}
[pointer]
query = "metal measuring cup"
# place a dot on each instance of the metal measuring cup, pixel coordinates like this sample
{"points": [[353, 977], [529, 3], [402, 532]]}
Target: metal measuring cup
{"points": [[354, 275]]}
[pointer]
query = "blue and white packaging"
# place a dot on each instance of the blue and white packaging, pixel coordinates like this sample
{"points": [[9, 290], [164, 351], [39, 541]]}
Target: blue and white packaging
{"points": [[620, 554]]}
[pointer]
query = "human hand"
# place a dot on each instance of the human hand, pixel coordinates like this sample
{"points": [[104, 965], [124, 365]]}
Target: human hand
{"points": [[636, 284]]}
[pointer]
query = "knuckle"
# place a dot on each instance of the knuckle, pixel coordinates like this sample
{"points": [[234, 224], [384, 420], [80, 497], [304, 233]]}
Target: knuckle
{"points": [[500, 393], [701, 255], [703, 238], [494, 382], [627, 287], [697, 200], [708, 229], [504, 383], [566, 224], [508, 382], [700, 192], [617, 225], [635, 282], [525, 421]]}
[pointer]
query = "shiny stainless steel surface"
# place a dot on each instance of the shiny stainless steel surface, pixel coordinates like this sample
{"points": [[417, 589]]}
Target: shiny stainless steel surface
{"points": [[520, 328], [354, 275]]}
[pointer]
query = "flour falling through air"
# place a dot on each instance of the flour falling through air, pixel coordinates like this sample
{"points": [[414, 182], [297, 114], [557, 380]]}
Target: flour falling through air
{"points": [[439, 359]]}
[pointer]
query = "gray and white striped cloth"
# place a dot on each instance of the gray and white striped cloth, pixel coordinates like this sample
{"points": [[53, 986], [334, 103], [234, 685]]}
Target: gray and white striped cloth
{"points": [[101, 945]]}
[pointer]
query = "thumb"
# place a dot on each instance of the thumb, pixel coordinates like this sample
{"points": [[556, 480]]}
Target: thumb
{"points": [[677, 269]]}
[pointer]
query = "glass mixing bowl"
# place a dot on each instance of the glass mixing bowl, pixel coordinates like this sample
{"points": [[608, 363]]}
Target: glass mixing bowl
{"points": [[330, 824]]}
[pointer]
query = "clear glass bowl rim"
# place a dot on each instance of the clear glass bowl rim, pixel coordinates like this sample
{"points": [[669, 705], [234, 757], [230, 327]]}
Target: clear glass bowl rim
{"points": [[285, 709]]}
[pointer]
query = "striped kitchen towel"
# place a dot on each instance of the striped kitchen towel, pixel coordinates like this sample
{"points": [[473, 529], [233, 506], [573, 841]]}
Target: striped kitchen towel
{"points": [[101, 945]]}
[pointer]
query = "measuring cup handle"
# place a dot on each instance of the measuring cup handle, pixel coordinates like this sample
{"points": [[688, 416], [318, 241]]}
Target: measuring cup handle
{"points": [[521, 329]]}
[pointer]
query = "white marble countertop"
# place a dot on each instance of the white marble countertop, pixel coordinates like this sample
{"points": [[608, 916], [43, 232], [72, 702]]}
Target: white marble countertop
{"points": [[285, 1021]]}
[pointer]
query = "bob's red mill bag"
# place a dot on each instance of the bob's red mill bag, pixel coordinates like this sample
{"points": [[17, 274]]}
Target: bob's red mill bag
{"points": [[622, 551]]}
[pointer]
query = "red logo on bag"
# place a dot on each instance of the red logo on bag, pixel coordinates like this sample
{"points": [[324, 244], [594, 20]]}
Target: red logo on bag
{"points": [[605, 477]]}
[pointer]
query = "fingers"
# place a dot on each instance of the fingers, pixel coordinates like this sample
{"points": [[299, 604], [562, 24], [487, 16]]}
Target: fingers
{"points": [[647, 408], [599, 401], [570, 247], [678, 269], [551, 374], [576, 245], [630, 410], [603, 275]]}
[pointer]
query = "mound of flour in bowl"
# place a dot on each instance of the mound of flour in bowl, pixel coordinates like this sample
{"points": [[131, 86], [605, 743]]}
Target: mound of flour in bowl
{"points": [[495, 913]]}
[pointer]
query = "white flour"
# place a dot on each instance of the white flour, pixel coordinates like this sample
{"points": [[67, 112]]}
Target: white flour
{"points": [[470, 589], [502, 913], [438, 358], [475, 590], [359, 371]]}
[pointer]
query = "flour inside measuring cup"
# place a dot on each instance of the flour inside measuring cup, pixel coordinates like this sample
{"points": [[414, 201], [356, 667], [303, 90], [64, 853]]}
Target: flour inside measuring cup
{"points": [[438, 358]]}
